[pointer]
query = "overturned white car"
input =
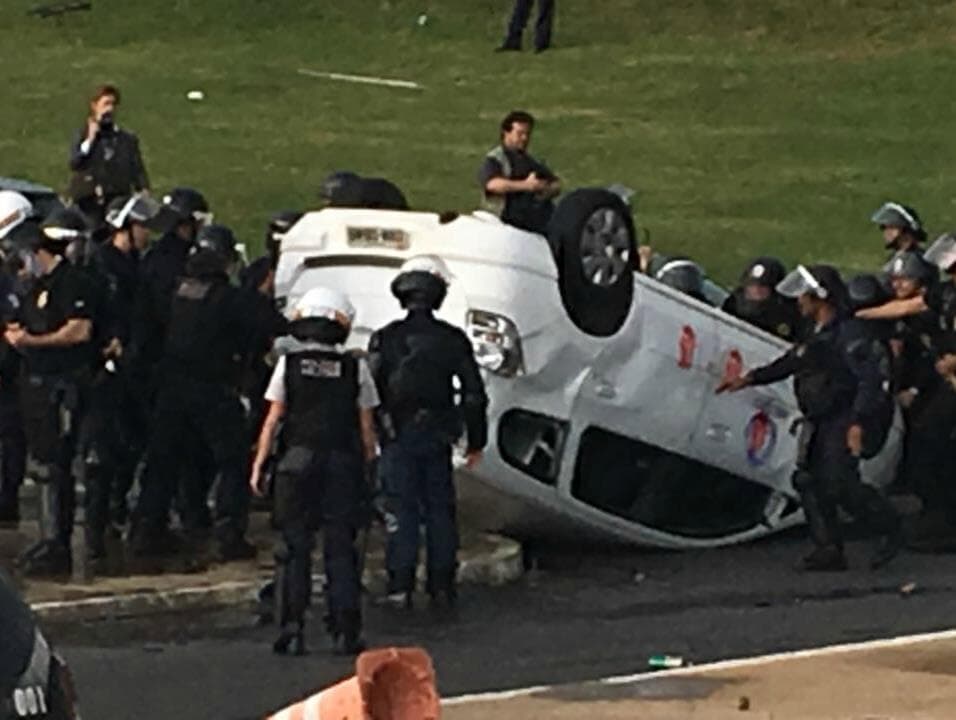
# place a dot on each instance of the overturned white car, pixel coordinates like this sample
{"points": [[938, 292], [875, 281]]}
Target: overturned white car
{"points": [[604, 424]]}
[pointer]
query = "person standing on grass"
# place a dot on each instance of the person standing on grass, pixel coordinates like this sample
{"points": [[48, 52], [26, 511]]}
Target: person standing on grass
{"points": [[105, 160], [519, 19]]}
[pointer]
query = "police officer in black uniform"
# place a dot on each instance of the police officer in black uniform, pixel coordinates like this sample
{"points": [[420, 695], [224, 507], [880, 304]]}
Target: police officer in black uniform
{"points": [[186, 210], [414, 362], [210, 328], [837, 380], [112, 436], [914, 378], [901, 226], [18, 232], [756, 300], [325, 398], [933, 430], [54, 334]]}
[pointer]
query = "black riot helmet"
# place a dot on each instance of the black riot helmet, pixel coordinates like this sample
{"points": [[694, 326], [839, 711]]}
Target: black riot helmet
{"points": [[342, 188], [911, 265], [904, 217], [62, 228], [214, 250], [218, 239], [422, 282], [683, 275], [279, 225], [765, 271], [822, 281], [186, 204], [125, 210], [866, 291]]}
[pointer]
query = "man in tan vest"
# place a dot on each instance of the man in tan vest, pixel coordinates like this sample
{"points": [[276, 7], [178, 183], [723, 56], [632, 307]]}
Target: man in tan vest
{"points": [[516, 187]]}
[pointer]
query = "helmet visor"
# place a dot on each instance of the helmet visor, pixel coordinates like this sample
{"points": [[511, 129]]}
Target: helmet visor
{"points": [[894, 215], [942, 253], [138, 209], [800, 281]]}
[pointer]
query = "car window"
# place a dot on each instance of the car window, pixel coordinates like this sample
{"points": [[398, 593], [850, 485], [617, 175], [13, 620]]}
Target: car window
{"points": [[17, 629]]}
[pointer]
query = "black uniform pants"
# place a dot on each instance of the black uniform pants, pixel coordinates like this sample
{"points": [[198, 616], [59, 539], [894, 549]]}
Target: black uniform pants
{"points": [[931, 444], [828, 478], [110, 445], [13, 448], [52, 409], [542, 28], [317, 491], [189, 413]]}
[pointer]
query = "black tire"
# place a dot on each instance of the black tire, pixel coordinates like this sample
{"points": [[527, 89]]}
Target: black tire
{"points": [[592, 236]]}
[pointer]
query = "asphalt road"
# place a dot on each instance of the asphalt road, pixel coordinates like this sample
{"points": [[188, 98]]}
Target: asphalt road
{"points": [[580, 617]]}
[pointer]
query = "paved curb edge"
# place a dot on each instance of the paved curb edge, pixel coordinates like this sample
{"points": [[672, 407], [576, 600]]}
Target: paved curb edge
{"points": [[502, 565]]}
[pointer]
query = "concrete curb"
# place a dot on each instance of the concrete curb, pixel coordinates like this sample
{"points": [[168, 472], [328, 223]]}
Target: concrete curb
{"points": [[501, 565]]}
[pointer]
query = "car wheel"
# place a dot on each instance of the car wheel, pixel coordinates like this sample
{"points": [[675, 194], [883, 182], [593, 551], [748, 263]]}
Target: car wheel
{"points": [[592, 236]]}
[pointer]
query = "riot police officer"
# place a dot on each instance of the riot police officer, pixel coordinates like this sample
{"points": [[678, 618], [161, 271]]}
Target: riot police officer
{"points": [[112, 436], [17, 230], [756, 300], [415, 361], [54, 334], [837, 381], [914, 378], [210, 326], [901, 226], [324, 397], [186, 210], [932, 431]]}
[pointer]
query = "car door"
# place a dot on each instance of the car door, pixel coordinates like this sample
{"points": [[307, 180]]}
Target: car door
{"points": [[650, 382], [747, 433]]}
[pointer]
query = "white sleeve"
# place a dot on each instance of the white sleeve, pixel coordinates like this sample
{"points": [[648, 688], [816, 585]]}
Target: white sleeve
{"points": [[368, 393], [275, 392]]}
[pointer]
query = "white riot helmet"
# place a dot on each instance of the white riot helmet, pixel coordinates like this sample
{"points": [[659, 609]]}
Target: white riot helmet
{"points": [[14, 209], [322, 315], [422, 281], [322, 302]]}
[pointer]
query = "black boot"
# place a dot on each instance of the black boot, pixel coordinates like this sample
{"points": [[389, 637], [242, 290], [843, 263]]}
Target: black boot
{"points": [[887, 548], [48, 558], [347, 633], [824, 559], [291, 640], [149, 540], [232, 546]]}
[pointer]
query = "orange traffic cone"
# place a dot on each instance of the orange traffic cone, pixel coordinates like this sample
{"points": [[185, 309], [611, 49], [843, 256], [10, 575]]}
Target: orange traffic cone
{"points": [[389, 684]]}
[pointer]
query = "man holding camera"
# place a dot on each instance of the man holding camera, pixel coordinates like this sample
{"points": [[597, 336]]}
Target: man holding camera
{"points": [[105, 159]]}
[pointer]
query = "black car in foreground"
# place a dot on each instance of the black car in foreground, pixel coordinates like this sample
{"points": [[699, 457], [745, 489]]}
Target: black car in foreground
{"points": [[35, 682]]}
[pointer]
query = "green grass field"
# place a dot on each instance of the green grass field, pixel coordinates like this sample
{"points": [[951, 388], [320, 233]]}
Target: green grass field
{"points": [[749, 126]]}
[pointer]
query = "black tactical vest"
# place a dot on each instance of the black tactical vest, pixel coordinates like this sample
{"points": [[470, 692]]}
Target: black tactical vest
{"points": [[201, 342], [824, 383], [322, 401]]}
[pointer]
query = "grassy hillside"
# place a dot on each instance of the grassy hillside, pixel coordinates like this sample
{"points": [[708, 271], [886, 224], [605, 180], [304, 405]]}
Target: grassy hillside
{"points": [[748, 126]]}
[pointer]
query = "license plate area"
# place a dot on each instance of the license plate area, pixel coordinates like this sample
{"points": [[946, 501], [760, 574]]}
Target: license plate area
{"points": [[376, 237]]}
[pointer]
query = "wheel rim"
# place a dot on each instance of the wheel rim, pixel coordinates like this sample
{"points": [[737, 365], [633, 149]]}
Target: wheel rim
{"points": [[605, 247]]}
